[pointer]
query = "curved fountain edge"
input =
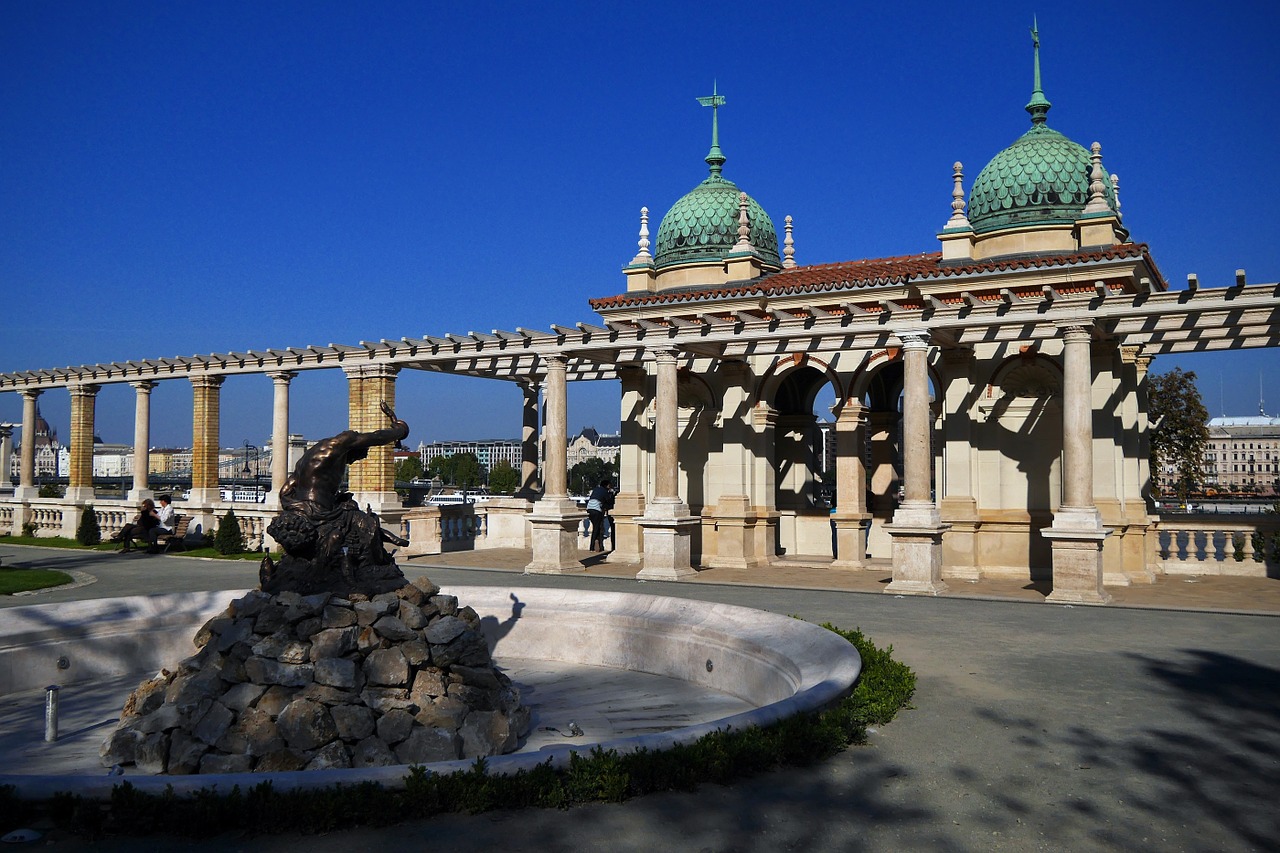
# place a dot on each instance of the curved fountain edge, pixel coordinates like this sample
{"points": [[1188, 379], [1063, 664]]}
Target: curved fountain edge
{"points": [[817, 666]]}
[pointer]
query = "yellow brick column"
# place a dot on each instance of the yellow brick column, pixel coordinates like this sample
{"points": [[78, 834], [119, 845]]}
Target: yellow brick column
{"points": [[372, 480], [205, 403], [80, 474]]}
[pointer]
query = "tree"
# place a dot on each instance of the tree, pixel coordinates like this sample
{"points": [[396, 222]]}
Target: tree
{"points": [[503, 479], [229, 539], [1179, 428], [409, 469], [88, 532], [50, 490], [461, 470], [588, 473]]}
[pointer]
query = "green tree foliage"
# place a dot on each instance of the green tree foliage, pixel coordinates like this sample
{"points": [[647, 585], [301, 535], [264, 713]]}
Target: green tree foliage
{"points": [[503, 479], [88, 532], [50, 490], [229, 539], [461, 470], [588, 473], [409, 469], [1180, 428]]}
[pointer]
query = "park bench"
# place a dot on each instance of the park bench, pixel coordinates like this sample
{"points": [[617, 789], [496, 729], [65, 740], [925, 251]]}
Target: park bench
{"points": [[167, 541]]}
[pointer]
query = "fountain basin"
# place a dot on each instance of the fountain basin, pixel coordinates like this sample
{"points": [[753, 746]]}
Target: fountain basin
{"points": [[771, 666]]}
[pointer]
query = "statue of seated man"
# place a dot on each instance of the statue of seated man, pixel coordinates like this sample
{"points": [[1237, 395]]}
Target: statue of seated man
{"points": [[323, 525]]}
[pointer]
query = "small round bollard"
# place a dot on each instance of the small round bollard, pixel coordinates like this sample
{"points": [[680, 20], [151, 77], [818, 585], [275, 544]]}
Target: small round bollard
{"points": [[51, 713]]}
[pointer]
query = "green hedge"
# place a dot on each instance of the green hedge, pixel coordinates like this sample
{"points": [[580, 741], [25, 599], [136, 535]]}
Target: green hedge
{"points": [[884, 688]]}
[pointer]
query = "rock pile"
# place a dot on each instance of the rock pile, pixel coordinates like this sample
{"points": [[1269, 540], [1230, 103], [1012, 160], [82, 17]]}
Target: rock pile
{"points": [[307, 682]]}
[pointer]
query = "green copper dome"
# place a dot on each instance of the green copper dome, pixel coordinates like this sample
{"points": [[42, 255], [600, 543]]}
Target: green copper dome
{"points": [[703, 225], [1041, 179]]}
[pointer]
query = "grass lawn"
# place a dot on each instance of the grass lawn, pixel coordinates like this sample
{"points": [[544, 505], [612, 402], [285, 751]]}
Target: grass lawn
{"points": [[63, 542], [21, 580]]}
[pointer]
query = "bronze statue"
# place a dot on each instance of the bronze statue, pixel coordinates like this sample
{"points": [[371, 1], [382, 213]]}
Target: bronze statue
{"points": [[330, 544]]}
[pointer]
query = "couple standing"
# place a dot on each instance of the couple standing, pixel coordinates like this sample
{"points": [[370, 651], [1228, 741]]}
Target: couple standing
{"points": [[599, 503]]}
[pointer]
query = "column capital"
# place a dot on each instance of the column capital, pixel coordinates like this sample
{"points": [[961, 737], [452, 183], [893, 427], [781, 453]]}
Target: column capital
{"points": [[84, 389], [209, 380], [144, 386], [282, 377], [1078, 331], [6, 430], [530, 384], [913, 339], [851, 415], [31, 393], [371, 371], [665, 355]]}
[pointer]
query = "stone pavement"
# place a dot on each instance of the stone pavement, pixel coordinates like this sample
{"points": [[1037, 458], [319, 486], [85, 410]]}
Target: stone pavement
{"points": [[1151, 725]]}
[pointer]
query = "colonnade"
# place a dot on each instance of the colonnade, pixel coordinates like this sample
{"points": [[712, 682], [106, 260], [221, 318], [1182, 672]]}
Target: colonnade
{"points": [[662, 525]]}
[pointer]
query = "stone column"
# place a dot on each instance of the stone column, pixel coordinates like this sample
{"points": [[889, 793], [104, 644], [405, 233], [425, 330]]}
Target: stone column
{"points": [[205, 434], [6, 458], [957, 485], [372, 480], [1133, 549], [141, 440], [27, 463], [851, 517], [917, 528], [667, 525], [279, 433], [1076, 534], [733, 518], [529, 486], [555, 518], [633, 473], [80, 474]]}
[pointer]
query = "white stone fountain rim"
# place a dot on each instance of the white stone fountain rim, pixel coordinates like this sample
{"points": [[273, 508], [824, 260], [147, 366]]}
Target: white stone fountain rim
{"points": [[790, 666]]}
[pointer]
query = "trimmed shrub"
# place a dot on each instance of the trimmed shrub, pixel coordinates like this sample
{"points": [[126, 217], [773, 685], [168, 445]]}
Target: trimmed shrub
{"points": [[229, 539], [88, 532]]}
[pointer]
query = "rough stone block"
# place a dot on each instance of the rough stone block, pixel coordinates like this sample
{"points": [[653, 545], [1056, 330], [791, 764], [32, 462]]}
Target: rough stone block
{"points": [[354, 722], [214, 724], [307, 628], [120, 748], [444, 630], [416, 652], [411, 615], [253, 733], [305, 724], [383, 699], [428, 683], [428, 588], [329, 756], [336, 672], [486, 733], [270, 620], [372, 752], [446, 604], [250, 604], [152, 754], [275, 699], [185, 752], [391, 628], [333, 643], [394, 726], [426, 745], [444, 713], [267, 671], [281, 761], [338, 617], [386, 668], [214, 763]]}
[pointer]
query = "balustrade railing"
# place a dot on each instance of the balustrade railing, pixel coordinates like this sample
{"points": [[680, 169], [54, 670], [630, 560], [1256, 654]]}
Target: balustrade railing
{"points": [[1215, 545]]}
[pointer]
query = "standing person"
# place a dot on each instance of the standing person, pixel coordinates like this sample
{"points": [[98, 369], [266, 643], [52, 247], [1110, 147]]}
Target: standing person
{"points": [[596, 509], [164, 515], [140, 527]]}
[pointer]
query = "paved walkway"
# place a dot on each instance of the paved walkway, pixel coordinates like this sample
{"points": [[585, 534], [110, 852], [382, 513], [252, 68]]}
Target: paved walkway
{"points": [[1154, 725]]}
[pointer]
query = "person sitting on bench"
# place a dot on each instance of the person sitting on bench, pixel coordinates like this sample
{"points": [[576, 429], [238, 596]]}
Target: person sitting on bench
{"points": [[165, 516]]}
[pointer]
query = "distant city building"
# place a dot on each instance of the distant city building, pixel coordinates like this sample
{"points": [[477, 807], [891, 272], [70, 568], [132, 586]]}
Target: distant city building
{"points": [[489, 451], [590, 444], [1243, 455]]}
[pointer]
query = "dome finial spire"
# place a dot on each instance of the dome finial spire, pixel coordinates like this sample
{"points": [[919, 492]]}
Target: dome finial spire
{"points": [[715, 159], [1039, 106]]}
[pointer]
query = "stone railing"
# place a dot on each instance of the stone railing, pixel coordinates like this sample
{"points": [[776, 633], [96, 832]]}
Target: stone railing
{"points": [[442, 529], [1215, 545]]}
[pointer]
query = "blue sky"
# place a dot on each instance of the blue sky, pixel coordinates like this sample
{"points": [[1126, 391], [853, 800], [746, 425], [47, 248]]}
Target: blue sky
{"points": [[183, 178]]}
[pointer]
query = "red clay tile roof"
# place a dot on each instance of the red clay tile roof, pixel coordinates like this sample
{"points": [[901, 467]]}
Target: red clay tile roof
{"points": [[874, 272]]}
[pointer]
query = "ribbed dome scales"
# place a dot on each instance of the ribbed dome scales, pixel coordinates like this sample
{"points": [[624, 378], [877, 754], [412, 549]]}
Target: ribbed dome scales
{"points": [[1041, 179], [703, 225]]}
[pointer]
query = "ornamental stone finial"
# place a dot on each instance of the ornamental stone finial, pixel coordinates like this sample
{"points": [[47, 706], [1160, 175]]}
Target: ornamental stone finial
{"points": [[1115, 191], [958, 219], [788, 248], [1097, 198], [744, 227], [643, 256]]}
